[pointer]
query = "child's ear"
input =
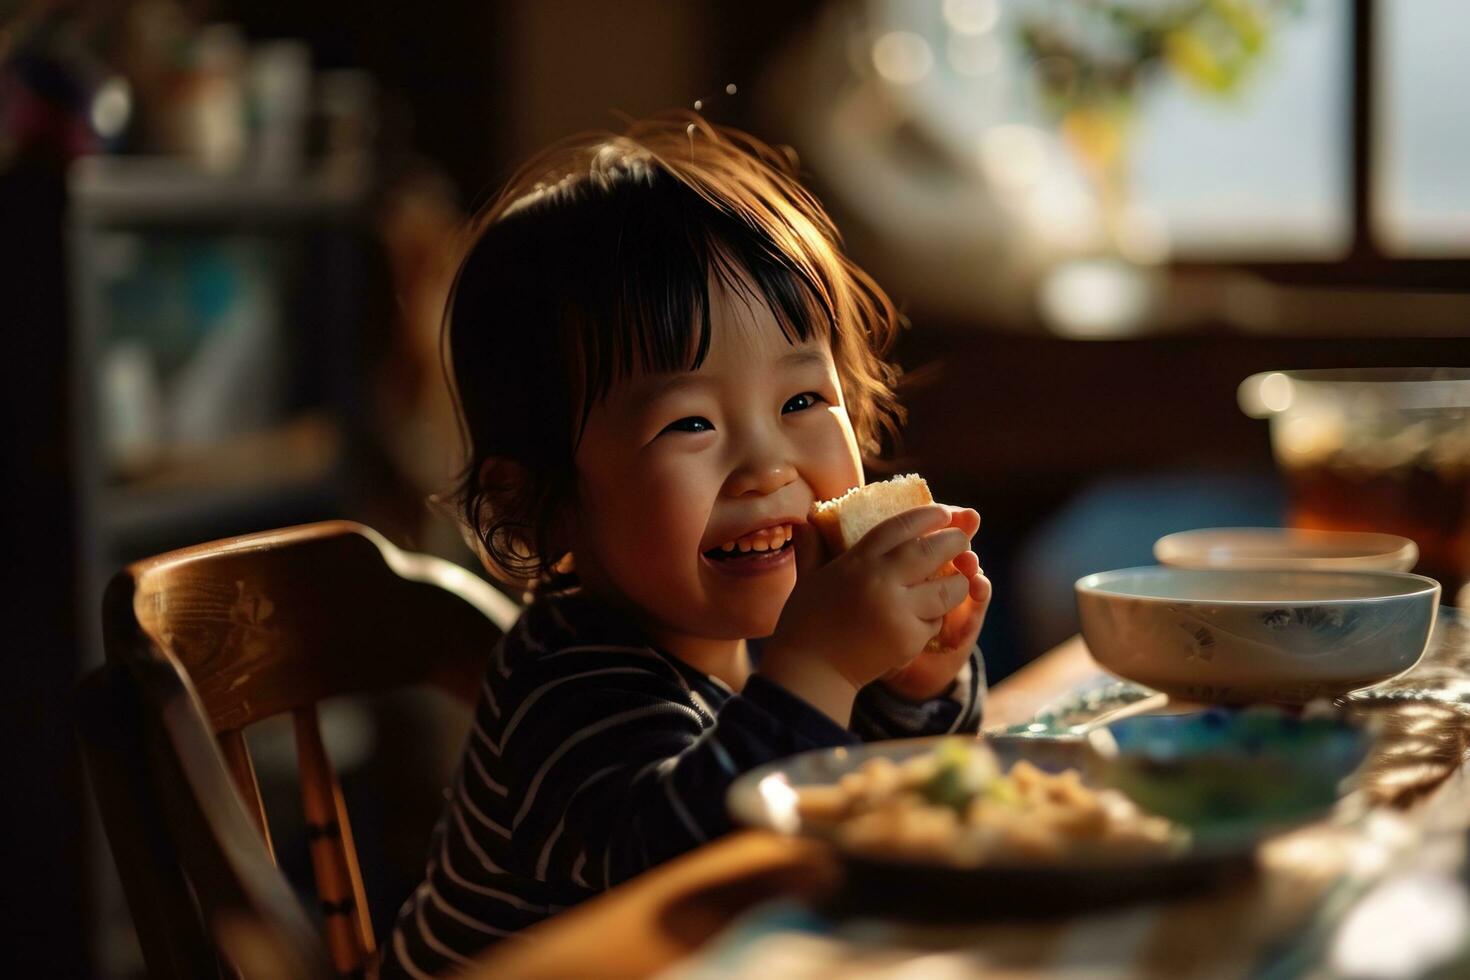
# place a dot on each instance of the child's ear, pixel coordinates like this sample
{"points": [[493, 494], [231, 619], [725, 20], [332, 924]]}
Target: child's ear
{"points": [[499, 473]]}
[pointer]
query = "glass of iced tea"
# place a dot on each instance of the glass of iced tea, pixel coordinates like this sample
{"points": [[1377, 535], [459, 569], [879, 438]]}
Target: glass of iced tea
{"points": [[1377, 449]]}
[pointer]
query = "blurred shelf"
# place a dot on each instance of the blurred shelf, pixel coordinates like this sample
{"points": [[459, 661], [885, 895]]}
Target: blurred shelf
{"points": [[133, 520], [132, 191], [301, 469], [297, 467]]}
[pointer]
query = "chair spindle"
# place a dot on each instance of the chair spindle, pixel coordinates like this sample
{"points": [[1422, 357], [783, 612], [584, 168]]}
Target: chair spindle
{"points": [[343, 904], [237, 755]]}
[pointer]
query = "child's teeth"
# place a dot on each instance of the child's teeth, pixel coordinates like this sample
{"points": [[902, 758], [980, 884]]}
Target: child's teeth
{"points": [[768, 539]]}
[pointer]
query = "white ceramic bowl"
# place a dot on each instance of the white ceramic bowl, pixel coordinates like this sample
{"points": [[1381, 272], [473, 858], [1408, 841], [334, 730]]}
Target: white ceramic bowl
{"points": [[1286, 547], [1236, 636]]}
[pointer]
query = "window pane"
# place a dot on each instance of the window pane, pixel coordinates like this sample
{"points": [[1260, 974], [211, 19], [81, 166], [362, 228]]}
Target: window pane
{"points": [[1260, 170], [1422, 191], [1264, 172]]}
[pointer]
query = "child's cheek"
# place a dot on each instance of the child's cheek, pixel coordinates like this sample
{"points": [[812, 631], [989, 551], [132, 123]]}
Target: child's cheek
{"points": [[675, 518], [835, 464]]}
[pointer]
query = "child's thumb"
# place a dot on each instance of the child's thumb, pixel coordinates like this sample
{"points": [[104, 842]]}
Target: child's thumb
{"points": [[811, 553]]}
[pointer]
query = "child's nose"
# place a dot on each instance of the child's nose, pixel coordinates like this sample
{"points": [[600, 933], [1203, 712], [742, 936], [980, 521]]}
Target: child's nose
{"points": [[760, 478]]}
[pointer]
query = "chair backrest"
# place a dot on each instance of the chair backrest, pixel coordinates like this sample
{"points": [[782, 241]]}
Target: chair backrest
{"points": [[205, 641]]}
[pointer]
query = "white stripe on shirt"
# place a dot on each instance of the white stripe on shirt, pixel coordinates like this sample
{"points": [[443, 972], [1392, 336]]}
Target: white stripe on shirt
{"points": [[582, 736], [531, 698], [461, 917], [404, 960], [480, 734], [488, 892], [577, 867], [605, 648], [646, 652], [473, 844], [665, 772], [561, 824], [479, 814], [490, 696], [484, 773], [431, 941], [701, 703]]}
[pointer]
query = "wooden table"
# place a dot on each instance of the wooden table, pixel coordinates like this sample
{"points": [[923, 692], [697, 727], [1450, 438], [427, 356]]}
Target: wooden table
{"points": [[666, 914]]}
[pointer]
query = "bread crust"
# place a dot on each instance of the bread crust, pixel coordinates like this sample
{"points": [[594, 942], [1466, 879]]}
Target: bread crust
{"points": [[842, 521]]}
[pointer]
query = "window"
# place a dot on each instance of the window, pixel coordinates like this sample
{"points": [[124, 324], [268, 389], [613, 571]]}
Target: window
{"points": [[1421, 156]]}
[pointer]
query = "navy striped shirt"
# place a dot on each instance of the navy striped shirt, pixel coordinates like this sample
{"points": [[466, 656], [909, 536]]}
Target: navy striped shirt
{"points": [[594, 756]]}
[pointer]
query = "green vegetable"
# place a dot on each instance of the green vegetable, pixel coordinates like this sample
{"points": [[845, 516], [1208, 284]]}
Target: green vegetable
{"points": [[962, 772]]}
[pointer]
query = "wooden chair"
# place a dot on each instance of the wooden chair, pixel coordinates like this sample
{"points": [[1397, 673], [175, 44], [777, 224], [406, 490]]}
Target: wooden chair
{"points": [[201, 643]]}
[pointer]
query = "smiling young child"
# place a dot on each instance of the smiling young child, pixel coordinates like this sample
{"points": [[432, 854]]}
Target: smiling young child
{"points": [[662, 359]]}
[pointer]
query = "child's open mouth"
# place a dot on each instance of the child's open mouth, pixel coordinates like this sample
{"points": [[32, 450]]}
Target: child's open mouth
{"points": [[755, 553]]}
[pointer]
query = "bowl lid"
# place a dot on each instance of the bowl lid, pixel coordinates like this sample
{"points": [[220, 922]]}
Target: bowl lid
{"points": [[1267, 547]]}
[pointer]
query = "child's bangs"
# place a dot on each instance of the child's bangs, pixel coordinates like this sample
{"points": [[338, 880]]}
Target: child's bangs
{"points": [[670, 259]]}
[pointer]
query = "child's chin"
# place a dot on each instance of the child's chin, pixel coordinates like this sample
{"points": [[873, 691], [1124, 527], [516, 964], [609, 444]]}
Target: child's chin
{"points": [[749, 623], [763, 625], [756, 612]]}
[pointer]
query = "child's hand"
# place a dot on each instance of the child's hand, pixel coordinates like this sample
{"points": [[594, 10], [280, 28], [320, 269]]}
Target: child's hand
{"points": [[870, 610], [931, 672]]}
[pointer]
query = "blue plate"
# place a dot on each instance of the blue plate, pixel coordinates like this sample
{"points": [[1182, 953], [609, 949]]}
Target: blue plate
{"points": [[1232, 774]]}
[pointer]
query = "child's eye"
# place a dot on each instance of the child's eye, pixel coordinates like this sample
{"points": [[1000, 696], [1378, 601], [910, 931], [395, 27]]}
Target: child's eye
{"points": [[805, 400], [693, 423]]}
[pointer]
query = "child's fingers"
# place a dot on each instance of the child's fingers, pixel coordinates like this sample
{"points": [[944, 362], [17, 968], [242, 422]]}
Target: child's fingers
{"points": [[967, 564], [916, 560], [933, 599], [903, 527], [961, 628], [980, 588], [967, 519]]}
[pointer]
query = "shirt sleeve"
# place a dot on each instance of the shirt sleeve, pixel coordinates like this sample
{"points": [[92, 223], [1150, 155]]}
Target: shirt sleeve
{"points": [[624, 768], [880, 714]]}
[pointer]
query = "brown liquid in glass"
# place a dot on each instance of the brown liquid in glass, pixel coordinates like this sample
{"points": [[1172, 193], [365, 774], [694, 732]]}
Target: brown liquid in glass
{"points": [[1429, 506]]}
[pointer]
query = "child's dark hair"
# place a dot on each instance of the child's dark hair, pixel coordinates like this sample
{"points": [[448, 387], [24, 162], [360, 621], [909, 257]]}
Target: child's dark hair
{"points": [[593, 264]]}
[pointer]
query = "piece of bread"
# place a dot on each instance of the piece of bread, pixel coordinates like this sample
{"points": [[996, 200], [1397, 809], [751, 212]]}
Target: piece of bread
{"points": [[842, 521]]}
